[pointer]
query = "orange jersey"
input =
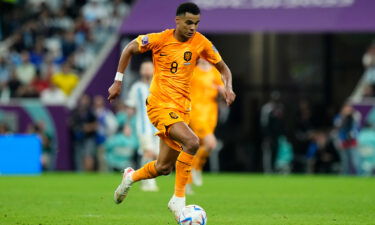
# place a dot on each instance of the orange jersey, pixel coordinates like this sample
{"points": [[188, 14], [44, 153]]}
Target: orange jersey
{"points": [[204, 92], [174, 63], [204, 86]]}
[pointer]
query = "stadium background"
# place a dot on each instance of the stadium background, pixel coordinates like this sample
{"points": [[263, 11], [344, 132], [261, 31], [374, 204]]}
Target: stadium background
{"points": [[298, 50]]}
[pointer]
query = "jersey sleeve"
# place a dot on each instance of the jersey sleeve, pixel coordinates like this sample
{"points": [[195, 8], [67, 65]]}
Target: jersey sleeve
{"points": [[131, 101], [148, 42], [209, 52]]}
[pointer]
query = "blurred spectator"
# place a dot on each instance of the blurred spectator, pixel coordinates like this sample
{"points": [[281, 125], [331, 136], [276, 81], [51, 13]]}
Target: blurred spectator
{"points": [[347, 125], [107, 123], [4, 128], [122, 117], [68, 44], [368, 91], [26, 71], [95, 10], [120, 149], [66, 80], [83, 124], [72, 7], [369, 76], [303, 129], [117, 11], [4, 93], [119, 7], [39, 83], [366, 149], [47, 34], [4, 70], [272, 123], [322, 155], [125, 115], [83, 58], [46, 140], [49, 67], [61, 21], [53, 95], [37, 53], [82, 28], [13, 84], [368, 59], [27, 91], [284, 156], [14, 56]]}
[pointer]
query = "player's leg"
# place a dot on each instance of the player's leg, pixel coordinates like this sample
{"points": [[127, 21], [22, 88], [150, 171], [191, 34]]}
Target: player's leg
{"points": [[162, 166], [181, 133], [209, 143], [190, 144], [149, 184]]}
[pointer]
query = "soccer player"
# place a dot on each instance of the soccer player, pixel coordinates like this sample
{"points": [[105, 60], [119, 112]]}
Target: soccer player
{"points": [[175, 54], [149, 143], [206, 84]]}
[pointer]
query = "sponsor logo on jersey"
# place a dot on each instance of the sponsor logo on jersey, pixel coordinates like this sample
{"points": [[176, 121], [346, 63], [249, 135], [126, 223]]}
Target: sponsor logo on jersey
{"points": [[173, 115]]}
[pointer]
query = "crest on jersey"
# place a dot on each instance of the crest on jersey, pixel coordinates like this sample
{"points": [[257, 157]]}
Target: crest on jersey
{"points": [[145, 40], [187, 56], [173, 115]]}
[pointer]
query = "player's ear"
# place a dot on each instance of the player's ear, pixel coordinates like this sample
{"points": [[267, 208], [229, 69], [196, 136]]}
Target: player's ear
{"points": [[178, 19]]}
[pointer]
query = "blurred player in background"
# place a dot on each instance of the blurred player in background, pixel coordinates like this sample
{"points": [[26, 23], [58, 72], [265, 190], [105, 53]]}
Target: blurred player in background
{"points": [[206, 85], [149, 143], [175, 54]]}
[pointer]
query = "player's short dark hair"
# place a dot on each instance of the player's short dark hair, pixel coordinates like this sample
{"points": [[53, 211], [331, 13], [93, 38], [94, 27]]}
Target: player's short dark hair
{"points": [[188, 7]]}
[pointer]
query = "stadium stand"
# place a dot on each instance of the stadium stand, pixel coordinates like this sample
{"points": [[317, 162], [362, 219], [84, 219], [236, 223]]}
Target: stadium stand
{"points": [[54, 40]]}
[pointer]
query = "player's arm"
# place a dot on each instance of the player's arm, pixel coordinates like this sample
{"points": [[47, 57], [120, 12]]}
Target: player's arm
{"points": [[221, 90], [226, 76], [129, 50]]}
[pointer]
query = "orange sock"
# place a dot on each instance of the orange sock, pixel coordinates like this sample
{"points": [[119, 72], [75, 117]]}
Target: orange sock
{"points": [[148, 171], [200, 159], [183, 172]]}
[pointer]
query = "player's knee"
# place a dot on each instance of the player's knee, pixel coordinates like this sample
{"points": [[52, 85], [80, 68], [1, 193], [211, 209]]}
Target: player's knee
{"points": [[211, 145], [192, 145], [164, 169]]}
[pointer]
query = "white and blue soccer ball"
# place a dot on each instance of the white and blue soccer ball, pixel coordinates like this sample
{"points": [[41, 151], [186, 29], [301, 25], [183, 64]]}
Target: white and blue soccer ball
{"points": [[192, 215]]}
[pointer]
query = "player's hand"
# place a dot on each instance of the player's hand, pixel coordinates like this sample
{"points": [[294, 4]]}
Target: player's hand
{"points": [[114, 91], [229, 96]]}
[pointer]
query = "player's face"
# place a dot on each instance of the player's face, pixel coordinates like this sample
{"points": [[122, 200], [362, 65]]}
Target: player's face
{"points": [[147, 69], [187, 24]]}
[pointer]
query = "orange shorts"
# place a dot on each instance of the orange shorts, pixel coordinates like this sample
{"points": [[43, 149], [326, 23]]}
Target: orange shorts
{"points": [[162, 119], [202, 128], [203, 120]]}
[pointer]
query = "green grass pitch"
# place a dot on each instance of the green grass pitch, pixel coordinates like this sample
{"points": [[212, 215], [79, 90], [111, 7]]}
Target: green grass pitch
{"points": [[235, 199]]}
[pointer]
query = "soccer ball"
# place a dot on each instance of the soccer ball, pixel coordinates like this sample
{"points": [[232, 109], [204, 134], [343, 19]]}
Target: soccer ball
{"points": [[192, 215]]}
